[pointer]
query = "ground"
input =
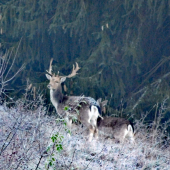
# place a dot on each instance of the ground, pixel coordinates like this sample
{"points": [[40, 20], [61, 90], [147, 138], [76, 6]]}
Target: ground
{"points": [[25, 144]]}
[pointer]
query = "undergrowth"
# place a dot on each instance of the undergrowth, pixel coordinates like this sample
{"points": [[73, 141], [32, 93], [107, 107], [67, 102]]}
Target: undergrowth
{"points": [[30, 139]]}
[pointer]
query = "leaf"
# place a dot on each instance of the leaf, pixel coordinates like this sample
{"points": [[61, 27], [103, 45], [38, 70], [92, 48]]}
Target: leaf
{"points": [[83, 101], [66, 108], [50, 163], [79, 105], [77, 111], [59, 147], [48, 148]]}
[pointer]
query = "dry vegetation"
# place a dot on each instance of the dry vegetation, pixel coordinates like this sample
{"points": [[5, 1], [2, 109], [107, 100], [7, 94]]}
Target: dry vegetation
{"points": [[25, 143]]}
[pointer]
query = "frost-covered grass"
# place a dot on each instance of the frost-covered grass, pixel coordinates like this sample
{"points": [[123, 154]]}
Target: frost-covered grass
{"points": [[25, 143]]}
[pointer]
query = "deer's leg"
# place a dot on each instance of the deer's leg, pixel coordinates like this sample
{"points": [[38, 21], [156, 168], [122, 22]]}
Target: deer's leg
{"points": [[90, 127], [69, 124], [131, 134], [93, 119], [94, 124], [91, 132], [96, 133]]}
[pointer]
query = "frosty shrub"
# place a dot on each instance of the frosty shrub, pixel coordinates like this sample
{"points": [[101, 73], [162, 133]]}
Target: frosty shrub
{"points": [[29, 139]]}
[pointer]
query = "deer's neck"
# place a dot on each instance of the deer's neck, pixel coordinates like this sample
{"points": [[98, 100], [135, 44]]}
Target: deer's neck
{"points": [[56, 97]]}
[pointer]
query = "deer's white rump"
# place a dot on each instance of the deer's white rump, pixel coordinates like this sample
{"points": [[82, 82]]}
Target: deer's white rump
{"points": [[115, 127]]}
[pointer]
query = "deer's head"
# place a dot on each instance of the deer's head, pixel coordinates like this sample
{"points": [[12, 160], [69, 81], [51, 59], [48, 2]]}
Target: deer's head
{"points": [[102, 104], [56, 80]]}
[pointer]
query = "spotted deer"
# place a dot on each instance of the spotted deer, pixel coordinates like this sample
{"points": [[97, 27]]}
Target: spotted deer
{"points": [[115, 127], [85, 109]]}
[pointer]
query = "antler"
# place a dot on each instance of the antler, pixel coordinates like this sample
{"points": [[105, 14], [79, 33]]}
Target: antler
{"points": [[74, 71], [50, 68]]}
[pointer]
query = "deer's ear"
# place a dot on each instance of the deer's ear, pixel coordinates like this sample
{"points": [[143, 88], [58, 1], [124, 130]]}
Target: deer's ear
{"points": [[63, 79], [104, 103], [99, 101], [48, 76]]}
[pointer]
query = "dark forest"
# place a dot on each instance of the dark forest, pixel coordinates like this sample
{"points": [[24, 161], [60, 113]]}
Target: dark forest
{"points": [[121, 46]]}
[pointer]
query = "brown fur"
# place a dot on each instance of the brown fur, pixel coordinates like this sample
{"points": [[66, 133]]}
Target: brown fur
{"points": [[114, 127], [85, 109]]}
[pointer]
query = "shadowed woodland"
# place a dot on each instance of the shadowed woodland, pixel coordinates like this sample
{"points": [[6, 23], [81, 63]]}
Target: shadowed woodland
{"points": [[122, 47]]}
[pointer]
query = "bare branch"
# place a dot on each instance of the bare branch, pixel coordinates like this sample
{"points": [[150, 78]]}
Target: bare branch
{"points": [[13, 60], [20, 69], [4, 73]]}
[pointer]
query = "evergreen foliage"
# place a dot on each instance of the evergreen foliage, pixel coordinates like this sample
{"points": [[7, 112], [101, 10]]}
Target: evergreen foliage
{"points": [[122, 46]]}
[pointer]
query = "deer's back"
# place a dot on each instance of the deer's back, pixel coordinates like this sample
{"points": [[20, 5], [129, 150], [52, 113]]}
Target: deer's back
{"points": [[112, 122], [113, 127], [78, 105]]}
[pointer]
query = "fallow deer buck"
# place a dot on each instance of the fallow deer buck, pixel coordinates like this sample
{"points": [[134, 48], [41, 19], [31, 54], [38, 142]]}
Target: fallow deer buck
{"points": [[85, 109], [115, 127]]}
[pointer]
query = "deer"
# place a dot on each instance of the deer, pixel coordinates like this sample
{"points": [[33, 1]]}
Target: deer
{"points": [[115, 127], [85, 109]]}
